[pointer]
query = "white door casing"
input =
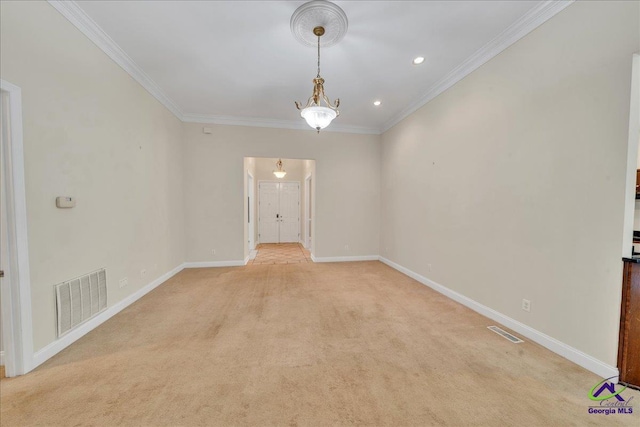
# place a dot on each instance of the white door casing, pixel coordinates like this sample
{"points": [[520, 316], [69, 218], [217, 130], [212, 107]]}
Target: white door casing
{"points": [[279, 212], [307, 212], [251, 221], [16, 289]]}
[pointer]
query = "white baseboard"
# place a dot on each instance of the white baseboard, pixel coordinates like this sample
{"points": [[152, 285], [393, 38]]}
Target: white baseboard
{"points": [[246, 260], [590, 363], [345, 258], [206, 264], [57, 346], [2, 358]]}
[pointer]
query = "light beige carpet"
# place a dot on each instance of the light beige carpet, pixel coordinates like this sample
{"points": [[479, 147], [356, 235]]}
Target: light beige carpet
{"points": [[301, 344]]}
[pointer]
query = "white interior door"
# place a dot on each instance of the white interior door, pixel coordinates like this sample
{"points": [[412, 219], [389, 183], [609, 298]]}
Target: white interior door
{"points": [[269, 206], [279, 220], [289, 212]]}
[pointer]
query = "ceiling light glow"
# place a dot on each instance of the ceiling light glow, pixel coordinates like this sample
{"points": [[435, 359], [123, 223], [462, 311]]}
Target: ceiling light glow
{"points": [[418, 60], [376, 103], [279, 172]]}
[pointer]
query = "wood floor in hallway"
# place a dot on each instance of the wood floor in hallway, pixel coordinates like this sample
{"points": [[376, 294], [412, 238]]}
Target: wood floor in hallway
{"points": [[309, 344], [281, 253]]}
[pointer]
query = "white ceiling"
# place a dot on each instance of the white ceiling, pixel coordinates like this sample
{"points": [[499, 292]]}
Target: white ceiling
{"points": [[237, 61]]}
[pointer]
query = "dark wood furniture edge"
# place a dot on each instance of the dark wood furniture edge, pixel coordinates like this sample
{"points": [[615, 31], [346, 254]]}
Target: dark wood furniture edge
{"points": [[622, 338]]}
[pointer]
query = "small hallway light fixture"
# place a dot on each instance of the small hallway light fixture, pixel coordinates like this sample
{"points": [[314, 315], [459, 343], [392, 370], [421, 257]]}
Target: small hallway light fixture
{"points": [[316, 17], [279, 172]]}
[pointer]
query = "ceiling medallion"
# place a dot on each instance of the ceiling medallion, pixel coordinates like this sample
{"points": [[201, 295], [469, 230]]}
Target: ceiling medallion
{"points": [[323, 15], [319, 13]]}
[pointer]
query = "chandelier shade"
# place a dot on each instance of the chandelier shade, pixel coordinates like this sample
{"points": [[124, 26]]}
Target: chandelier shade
{"points": [[318, 117]]}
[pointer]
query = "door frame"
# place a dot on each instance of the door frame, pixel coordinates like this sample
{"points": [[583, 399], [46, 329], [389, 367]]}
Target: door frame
{"points": [[16, 297], [251, 211], [308, 215], [277, 182]]}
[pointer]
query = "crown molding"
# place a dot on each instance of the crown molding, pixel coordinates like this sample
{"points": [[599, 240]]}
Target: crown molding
{"points": [[82, 21], [74, 13], [523, 26], [527, 23], [273, 123]]}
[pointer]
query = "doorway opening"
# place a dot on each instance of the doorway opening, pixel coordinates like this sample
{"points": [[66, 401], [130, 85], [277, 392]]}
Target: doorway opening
{"points": [[16, 344], [280, 209]]}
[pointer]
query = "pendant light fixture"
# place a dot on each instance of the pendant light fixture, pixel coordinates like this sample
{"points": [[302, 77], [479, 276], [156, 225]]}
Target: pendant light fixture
{"points": [[317, 116], [279, 172], [312, 20]]}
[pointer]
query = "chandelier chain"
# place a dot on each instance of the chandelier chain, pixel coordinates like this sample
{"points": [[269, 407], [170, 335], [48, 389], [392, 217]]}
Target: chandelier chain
{"points": [[318, 56]]}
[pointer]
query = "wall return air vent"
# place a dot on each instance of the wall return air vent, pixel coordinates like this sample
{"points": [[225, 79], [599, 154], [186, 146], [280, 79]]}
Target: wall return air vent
{"points": [[80, 299]]}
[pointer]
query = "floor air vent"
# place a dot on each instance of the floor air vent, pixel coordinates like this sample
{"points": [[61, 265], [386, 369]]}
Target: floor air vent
{"points": [[505, 334], [80, 299]]}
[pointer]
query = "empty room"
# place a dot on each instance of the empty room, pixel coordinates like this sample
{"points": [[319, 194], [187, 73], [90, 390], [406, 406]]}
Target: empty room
{"points": [[316, 213]]}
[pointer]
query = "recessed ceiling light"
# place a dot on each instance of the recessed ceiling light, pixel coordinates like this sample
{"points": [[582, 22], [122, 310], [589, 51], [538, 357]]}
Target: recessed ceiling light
{"points": [[376, 103], [418, 60]]}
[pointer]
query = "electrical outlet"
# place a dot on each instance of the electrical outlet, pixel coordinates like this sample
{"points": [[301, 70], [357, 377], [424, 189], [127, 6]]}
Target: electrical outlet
{"points": [[429, 267], [346, 247], [213, 251], [123, 282], [143, 273], [526, 305]]}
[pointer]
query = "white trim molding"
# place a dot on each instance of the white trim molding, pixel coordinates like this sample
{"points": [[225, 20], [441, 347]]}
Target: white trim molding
{"points": [[273, 123], [21, 328], [57, 346], [345, 258], [576, 356], [523, 26], [88, 27], [83, 22]]}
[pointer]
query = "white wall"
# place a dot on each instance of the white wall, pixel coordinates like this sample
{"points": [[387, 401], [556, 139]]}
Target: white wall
{"points": [[347, 189], [92, 132], [511, 183]]}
